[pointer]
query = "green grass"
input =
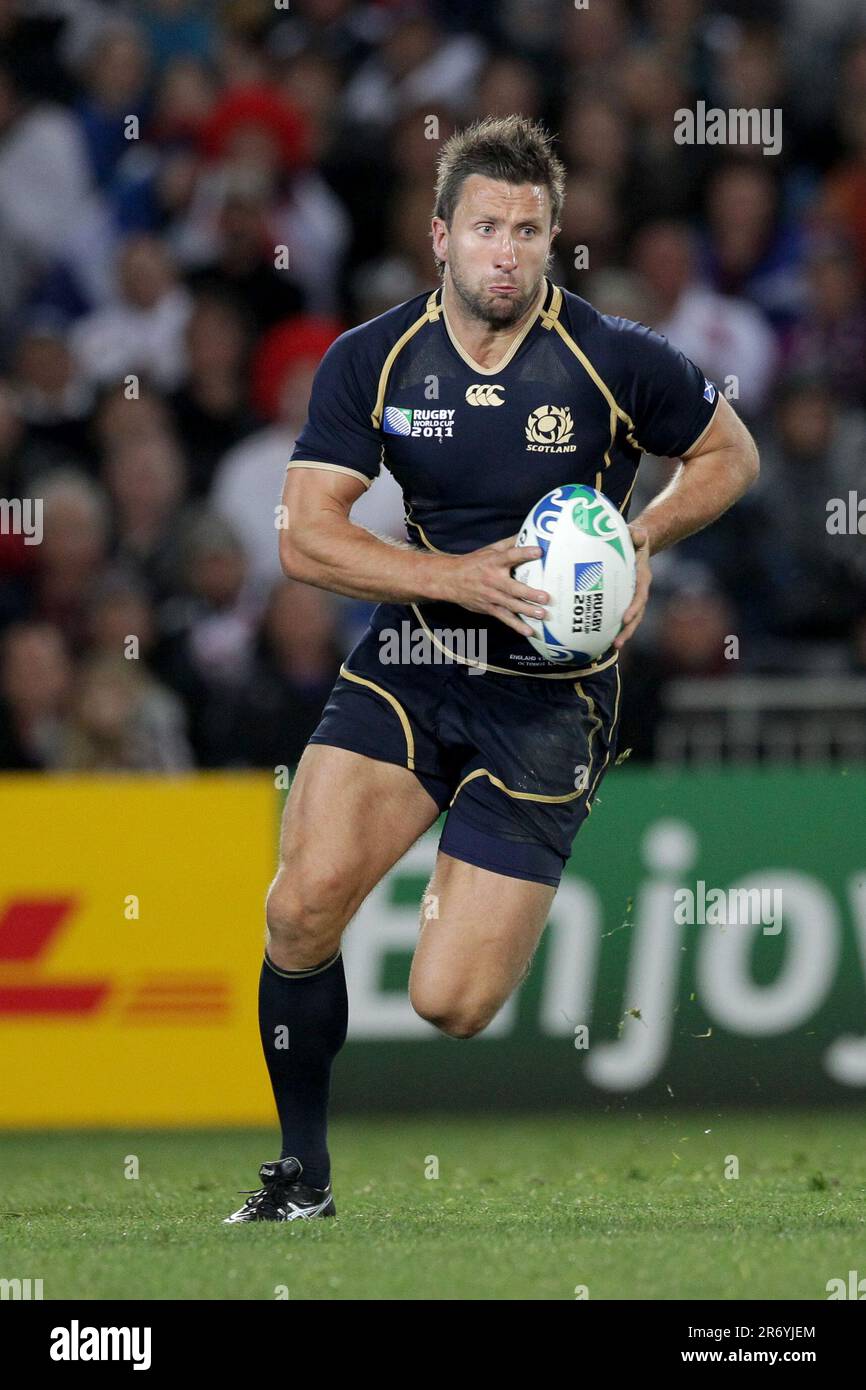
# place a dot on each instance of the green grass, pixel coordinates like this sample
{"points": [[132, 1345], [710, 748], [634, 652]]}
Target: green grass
{"points": [[634, 1207]]}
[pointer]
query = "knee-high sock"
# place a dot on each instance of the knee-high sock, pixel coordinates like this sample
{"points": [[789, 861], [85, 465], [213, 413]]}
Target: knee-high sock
{"points": [[303, 1016]]}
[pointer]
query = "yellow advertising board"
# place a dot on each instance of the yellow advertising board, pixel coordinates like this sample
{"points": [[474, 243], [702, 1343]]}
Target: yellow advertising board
{"points": [[131, 935]]}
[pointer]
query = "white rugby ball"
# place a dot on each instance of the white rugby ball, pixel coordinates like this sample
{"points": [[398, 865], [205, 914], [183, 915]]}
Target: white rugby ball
{"points": [[588, 568]]}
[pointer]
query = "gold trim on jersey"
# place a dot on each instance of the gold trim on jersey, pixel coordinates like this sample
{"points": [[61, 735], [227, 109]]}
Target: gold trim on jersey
{"points": [[567, 796], [504, 670], [551, 313], [397, 708], [430, 315], [703, 432], [518, 796], [433, 306], [609, 737], [625, 501], [515, 342], [329, 468], [616, 411], [410, 521], [596, 724]]}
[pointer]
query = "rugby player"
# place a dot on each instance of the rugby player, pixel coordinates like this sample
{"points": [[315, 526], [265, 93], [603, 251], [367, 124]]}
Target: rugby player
{"points": [[454, 392]]}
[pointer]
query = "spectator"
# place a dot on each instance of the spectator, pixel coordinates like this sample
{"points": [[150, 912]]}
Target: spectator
{"points": [[120, 610], [35, 682], [751, 248], [122, 721], [115, 83], [211, 409], [813, 455], [507, 84], [295, 663], [693, 628], [249, 482], [156, 185], [53, 398], [842, 200], [23, 454], [311, 82], [595, 139], [590, 219], [30, 45], [146, 482], [591, 40], [212, 625], [411, 268], [416, 65], [73, 552], [242, 264], [122, 415], [256, 133], [142, 331], [831, 337], [44, 184], [728, 336], [664, 179], [177, 30]]}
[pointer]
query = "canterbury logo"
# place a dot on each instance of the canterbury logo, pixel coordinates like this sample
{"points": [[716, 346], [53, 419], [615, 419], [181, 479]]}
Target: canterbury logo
{"points": [[550, 424], [484, 395]]}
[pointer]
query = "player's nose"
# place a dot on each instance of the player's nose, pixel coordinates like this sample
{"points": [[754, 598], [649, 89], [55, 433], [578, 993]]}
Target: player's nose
{"points": [[506, 257]]}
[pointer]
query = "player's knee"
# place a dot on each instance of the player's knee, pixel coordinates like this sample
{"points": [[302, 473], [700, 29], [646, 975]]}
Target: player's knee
{"points": [[462, 1025], [308, 909], [459, 1019]]}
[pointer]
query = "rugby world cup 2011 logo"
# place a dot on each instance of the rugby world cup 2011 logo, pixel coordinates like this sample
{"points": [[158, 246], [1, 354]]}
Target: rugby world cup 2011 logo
{"points": [[588, 577], [590, 515], [398, 420], [549, 429]]}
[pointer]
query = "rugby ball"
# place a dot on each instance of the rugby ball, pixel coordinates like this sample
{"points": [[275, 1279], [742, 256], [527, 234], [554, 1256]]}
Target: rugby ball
{"points": [[587, 566]]}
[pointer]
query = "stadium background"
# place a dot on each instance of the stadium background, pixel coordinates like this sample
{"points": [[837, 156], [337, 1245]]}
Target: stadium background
{"points": [[167, 285]]}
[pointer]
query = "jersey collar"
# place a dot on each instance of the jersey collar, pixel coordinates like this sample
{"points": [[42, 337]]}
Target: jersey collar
{"points": [[547, 309]]}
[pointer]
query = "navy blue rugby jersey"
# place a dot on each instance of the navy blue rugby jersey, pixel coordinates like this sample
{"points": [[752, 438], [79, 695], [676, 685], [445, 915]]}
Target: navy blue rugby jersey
{"points": [[577, 398]]}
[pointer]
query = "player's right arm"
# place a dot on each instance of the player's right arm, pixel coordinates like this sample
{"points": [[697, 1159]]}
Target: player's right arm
{"points": [[320, 545]]}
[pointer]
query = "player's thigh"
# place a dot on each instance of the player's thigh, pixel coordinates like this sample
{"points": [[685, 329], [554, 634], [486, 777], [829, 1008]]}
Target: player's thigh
{"points": [[347, 820], [478, 933]]}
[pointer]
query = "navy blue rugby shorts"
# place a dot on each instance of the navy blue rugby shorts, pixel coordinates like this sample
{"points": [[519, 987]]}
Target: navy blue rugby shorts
{"points": [[515, 760]]}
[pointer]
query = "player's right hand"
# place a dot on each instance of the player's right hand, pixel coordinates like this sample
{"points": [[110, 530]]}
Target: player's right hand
{"points": [[482, 581]]}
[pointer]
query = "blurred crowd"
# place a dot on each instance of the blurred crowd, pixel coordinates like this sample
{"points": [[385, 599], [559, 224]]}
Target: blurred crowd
{"points": [[196, 198]]}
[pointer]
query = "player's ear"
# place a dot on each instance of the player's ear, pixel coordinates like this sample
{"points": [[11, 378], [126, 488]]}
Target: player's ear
{"points": [[439, 231], [554, 232]]}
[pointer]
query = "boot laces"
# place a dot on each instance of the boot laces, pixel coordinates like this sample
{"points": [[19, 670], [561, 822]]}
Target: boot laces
{"points": [[269, 1198]]}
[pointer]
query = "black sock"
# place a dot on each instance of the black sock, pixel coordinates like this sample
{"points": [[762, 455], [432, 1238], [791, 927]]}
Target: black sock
{"points": [[303, 1016]]}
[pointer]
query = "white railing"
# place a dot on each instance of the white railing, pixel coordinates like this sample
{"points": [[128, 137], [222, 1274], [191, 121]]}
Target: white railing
{"points": [[746, 719]]}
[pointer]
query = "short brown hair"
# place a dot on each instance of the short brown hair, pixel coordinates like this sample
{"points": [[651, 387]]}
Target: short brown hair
{"points": [[511, 148]]}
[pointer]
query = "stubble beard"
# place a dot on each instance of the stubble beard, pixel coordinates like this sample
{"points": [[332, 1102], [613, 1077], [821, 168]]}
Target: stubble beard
{"points": [[495, 313]]}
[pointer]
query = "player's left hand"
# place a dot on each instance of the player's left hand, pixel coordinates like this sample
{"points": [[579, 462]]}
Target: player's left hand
{"points": [[643, 578]]}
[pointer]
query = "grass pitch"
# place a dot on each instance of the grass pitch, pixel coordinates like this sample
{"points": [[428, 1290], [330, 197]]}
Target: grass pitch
{"points": [[631, 1206]]}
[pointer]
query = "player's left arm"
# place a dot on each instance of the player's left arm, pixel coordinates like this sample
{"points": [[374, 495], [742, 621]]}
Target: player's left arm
{"points": [[712, 475]]}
